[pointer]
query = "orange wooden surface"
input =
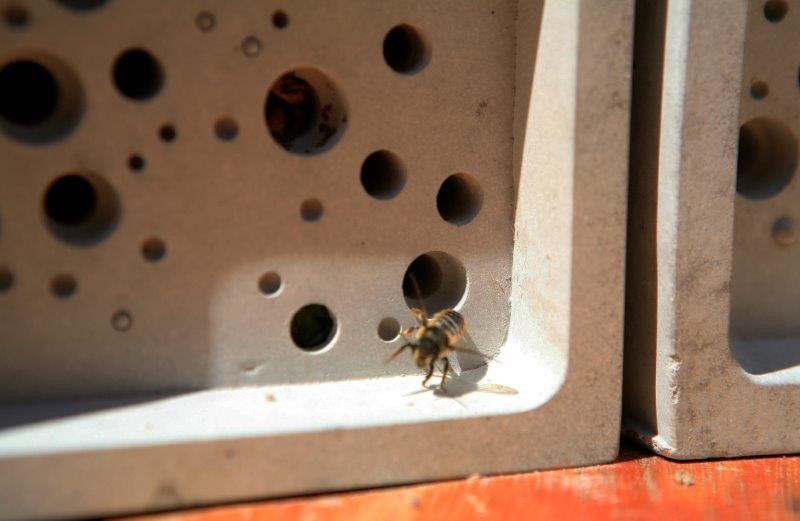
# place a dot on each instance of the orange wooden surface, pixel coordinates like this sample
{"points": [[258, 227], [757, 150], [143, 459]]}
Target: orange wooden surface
{"points": [[639, 486]]}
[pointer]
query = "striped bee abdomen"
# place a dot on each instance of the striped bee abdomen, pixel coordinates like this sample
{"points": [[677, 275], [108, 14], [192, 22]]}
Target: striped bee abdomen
{"points": [[451, 322]]}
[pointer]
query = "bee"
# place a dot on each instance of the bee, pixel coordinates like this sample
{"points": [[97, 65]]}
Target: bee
{"points": [[433, 338]]}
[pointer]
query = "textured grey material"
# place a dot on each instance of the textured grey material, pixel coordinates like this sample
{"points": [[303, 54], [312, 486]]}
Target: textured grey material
{"points": [[531, 99], [711, 354]]}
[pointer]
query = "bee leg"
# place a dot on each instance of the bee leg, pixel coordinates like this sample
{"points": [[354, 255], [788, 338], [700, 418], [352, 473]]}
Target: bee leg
{"points": [[394, 355], [430, 374], [444, 374]]}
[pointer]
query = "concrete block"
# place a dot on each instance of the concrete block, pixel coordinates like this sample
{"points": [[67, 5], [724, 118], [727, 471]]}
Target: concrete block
{"points": [[209, 217]]}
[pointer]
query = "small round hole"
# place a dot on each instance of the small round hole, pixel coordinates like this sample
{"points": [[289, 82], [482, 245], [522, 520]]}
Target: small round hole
{"points": [[40, 99], [15, 15], [784, 231], [136, 162], [63, 286], [80, 208], [280, 19], [205, 21], [138, 75], [311, 210], [251, 46], [775, 10], [167, 133], [270, 284], [313, 327], [153, 249], [759, 90], [82, 5], [383, 175], [6, 279], [767, 158], [122, 320], [388, 329], [440, 279], [405, 50], [459, 199], [226, 128], [305, 112]]}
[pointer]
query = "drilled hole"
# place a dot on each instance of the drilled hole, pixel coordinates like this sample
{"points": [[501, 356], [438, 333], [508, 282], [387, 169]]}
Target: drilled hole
{"points": [[759, 90], [280, 19], [153, 249], [15, 15], [40, 99], [28, 93], [82, 5], [6, 279], [388, 329], [440, 278], [63, 286], [405, 49], [122, 320], [775, 10], [311, 210], [270, 284], [251, 46], [383, 175], [136, 162], [80, 208], [167, 133], [138, 75], [70, 200], [459, 199], [205, 21], [313, 327], [226, 128], [784, 231], [767, 158], [304, 111]]}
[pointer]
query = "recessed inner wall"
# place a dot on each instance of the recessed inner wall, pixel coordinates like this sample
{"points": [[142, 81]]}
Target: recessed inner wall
{"points": [[201, 219], [765, 284]]}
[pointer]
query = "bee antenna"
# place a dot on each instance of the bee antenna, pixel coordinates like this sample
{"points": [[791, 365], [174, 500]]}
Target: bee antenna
{"points": [[418, 293]]}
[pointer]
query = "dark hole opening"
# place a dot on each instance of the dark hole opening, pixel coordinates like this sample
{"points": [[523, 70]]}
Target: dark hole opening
{"points": [[138, 75], [29, 93], [70, 200], [312, 327]]}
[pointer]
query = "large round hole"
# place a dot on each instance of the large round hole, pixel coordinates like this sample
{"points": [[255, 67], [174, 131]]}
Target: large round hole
{"points": [[775, 10], [437, 280], [28, 93], [459, 199], [767, 158], [405, 49], [304, 111], [313, 327], [137, 74], [40, 99], [80, 208], [382, 175], [82, 5]]}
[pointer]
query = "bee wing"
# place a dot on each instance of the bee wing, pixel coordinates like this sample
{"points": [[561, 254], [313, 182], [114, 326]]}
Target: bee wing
{"points": [[455, 366]]}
